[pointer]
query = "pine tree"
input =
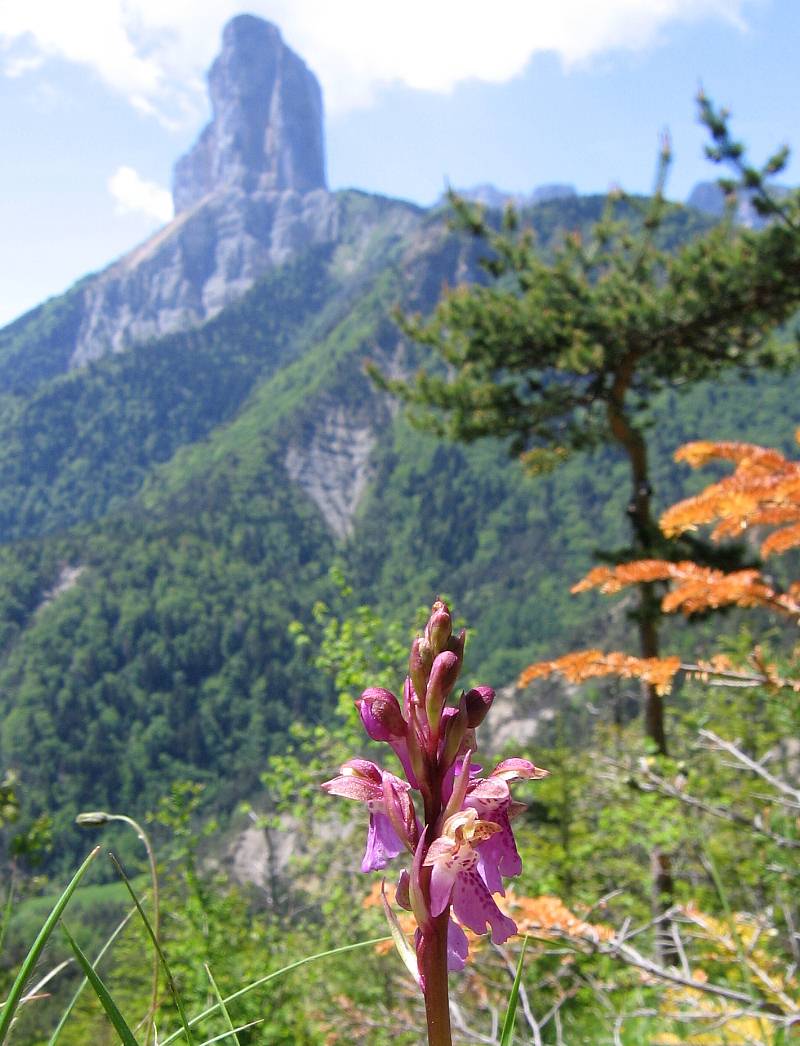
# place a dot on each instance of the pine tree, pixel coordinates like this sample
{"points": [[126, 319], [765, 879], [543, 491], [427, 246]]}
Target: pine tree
{"points": [[561, 353]]}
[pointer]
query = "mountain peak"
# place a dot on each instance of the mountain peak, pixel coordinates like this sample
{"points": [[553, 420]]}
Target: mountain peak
{"points": [[266, 127]]}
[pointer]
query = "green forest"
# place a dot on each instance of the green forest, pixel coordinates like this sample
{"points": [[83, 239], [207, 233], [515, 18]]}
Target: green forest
{"points": [[200, 574]]}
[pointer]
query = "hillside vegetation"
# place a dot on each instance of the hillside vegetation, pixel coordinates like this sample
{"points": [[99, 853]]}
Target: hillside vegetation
{"points": [[157, 550]]}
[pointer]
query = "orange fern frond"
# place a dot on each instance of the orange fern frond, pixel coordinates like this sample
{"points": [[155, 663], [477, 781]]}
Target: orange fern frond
{"points": [[582, 665], [738, 502]]}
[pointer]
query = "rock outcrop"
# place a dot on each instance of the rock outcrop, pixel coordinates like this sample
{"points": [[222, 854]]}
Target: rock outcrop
{"points": [[332, 465], [548, 193], [496, 199], [202, 261], [709, 198], [266, 130], [248, 195]]}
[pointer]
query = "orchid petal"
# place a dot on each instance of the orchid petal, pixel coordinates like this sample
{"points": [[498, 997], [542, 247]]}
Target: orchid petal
{"points": [[474, 906], [449, 862], [518, 769], [351, 787], [402, 893], [383, 843], [457, 947]]}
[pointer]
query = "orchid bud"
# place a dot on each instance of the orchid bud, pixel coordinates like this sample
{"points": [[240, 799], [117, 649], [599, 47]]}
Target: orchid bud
{"points": [[381, 715], [456, 643], [439, 627], [416, 748], [454, 731], [476, 703], [444, 674], [419, 665]]}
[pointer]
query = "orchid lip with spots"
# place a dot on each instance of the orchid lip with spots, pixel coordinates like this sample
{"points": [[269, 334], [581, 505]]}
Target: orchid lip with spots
{"points": [[454, 823]]}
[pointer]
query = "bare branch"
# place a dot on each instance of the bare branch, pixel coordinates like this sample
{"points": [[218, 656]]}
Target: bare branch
{"points": [[618, 949], [459, 1020], [654, 783], [743, 759]]}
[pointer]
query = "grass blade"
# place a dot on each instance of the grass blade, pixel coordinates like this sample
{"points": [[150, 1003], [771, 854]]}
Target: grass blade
{"points": [[170, 982], [112, 1012], [17, 988], [507, 1034], [227, 1034], [222, 1006], [273, 976], [79, 990], [7, 913]]}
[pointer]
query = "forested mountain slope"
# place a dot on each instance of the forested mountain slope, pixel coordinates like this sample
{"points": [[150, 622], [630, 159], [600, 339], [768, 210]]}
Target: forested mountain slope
{"points": [[191, 494], [171, 503]]}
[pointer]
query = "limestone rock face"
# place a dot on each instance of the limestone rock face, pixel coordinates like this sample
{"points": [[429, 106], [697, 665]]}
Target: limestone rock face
{"points": [[496, 199], [249, 195], [709, 198], [202, 261], [266, 128], [333, 465], [548, 193]]}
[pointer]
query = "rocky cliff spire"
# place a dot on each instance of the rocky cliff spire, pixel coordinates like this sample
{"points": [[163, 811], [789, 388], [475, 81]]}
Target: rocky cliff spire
{"points": [[266, 128]]}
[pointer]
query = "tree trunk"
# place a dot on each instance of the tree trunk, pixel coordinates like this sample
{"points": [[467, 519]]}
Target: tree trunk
{"points": [[644, 531]]}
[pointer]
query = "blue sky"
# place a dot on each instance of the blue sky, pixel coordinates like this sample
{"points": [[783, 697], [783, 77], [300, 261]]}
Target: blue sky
{"points": [[98, 98]]}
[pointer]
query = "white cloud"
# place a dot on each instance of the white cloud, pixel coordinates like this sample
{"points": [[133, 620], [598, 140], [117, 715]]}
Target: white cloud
{"points": [[155, 51], [18, 65], [136, 195]]}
